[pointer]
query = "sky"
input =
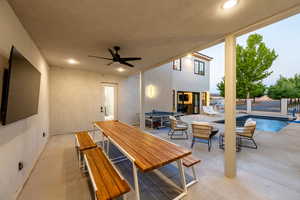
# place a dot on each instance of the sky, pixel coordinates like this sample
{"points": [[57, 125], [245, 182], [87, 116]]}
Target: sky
{"points": [[283, 36]]}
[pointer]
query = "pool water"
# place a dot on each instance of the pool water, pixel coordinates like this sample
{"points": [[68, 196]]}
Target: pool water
{"points": [[263, 123]]}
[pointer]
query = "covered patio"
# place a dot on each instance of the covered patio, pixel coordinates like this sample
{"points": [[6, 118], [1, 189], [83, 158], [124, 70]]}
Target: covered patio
{"points": [[270, 172], [70, 96]]}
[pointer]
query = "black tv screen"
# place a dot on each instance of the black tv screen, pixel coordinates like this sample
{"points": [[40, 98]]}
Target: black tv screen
{"points": [[21, 88], [183, 97]]}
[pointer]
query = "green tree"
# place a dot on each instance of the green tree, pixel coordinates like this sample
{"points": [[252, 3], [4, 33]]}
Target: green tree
{"points": [[285, 88], [258, 91], [253, 64]]}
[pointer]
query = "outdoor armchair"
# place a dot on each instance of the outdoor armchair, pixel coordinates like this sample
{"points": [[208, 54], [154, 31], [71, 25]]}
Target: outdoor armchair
{"points": [[247, 133], [177, 126], [209, 110], [202, 130]]}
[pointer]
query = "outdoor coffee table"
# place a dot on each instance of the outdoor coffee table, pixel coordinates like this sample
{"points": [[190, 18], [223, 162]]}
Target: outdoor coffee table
{"points": [[214, 132], [222, 145]]}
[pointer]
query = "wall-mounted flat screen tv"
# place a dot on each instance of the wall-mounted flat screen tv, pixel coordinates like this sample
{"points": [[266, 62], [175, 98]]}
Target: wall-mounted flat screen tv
{"points": [[21, 88]]}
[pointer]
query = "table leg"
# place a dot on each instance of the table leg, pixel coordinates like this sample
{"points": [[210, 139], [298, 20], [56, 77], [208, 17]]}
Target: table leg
{"points": [[94, 132], [182, 175], [107, 148], [102, 140], [136, 181]]}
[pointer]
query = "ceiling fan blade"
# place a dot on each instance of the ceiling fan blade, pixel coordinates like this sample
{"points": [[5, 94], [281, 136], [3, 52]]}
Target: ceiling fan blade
{"points": [[126, 63], [100, 57], [110, 63], [111, 52], [131, 59]]}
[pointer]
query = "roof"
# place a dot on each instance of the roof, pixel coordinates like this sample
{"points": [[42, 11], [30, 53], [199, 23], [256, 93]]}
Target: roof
{"points": [[156, 31], [202, 56]]}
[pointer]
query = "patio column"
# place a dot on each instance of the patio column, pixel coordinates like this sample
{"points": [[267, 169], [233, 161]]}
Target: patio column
{"points": [[284, 106], [249, 106], [230, 107], [142, 100]]}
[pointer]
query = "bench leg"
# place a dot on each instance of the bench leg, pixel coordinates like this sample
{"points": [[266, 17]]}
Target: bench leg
{"points": [[195, 177], [136, 181], [182, 175], [80, 159], [194, 172]]}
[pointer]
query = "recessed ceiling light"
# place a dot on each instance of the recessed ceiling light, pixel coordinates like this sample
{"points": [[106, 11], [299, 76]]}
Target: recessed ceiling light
{"points": [[229, 4], [72, 61], [120, 69], [189, 55]]}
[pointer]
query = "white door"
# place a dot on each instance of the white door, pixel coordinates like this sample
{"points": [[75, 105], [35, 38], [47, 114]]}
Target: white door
{"points": [[109, 102]]}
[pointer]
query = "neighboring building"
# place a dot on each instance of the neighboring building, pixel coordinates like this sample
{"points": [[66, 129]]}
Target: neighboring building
{"points": [[181, 85]]}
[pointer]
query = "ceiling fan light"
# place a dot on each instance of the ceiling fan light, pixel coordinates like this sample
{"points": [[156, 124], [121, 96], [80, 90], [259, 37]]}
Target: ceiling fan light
{"points": [[121, 69]]}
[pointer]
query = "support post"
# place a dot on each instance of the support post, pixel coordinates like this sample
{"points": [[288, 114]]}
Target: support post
{"points": [[230, 107], [142, 101], [284, 106], [249, 106]]}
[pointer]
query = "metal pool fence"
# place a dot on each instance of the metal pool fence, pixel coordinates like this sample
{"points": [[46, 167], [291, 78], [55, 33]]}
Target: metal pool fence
{"points": [[265, 106], [294, 105]]}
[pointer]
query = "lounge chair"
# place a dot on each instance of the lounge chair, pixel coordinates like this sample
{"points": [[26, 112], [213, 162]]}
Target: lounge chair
{"points": [[209, 110], [202, 130], [212, 110], [247, 133], [177, 126]]}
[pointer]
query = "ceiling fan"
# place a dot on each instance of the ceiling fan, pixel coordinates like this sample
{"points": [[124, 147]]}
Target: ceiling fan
{"points": [[117, 58]]}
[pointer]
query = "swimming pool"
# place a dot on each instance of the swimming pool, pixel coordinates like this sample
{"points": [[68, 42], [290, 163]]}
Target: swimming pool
{"points": [[263, 123]]}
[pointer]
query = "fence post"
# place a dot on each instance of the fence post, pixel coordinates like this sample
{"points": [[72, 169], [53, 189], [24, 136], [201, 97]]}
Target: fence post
{"points": [[284, 106], [249, 106]]}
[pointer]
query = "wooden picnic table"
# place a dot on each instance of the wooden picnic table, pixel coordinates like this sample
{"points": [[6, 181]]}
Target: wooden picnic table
{"points": [[146, 152]]}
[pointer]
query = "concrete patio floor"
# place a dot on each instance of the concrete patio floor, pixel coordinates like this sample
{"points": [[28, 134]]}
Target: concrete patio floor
{"points": [[270, 172]]}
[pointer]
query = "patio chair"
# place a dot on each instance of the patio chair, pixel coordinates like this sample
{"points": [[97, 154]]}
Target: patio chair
{"points": [[209, 110], [247, 133], [212, 110], [177, 126], [202, 130]]}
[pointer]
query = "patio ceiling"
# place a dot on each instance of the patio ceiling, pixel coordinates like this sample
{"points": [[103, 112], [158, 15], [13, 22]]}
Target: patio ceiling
{"points": [[155, 30]]}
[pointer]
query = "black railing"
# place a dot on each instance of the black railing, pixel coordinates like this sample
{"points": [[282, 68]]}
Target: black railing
{"points": [[294, 105]]}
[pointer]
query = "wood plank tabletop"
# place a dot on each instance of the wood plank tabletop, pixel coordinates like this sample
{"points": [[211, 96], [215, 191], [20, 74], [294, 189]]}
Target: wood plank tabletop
{"points": [[109, 184], [149, 152]]}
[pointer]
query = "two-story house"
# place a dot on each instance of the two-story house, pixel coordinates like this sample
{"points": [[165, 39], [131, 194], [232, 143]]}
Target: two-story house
{"points": [[179, 86]]}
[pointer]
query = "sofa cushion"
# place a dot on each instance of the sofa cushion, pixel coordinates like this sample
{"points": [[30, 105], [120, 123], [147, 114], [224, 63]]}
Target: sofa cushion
{"points": [[201, 123], [250, 123], [172, 118]]}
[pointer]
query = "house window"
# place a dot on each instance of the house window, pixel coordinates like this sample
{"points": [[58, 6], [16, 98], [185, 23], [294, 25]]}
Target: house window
{"points": [[177, 65], [199, 67]]}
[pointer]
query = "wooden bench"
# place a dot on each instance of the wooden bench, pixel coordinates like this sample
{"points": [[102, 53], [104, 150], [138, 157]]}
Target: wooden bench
{"points": [[108, 184], [83, 141], [191, 161]]}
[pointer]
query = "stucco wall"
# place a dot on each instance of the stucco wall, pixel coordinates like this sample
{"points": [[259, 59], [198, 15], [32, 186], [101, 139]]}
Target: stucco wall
{"points": [[160, 79], [76, 98], [22, 140], [129, 100], [186, 80]]}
